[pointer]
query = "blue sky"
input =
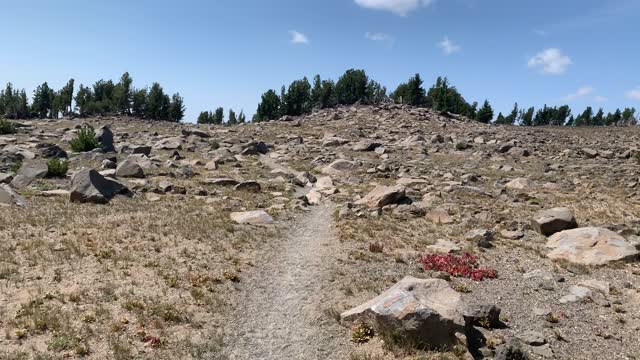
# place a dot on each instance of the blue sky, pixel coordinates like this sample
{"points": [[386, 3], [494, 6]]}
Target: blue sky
{"points": [[228, 52]]}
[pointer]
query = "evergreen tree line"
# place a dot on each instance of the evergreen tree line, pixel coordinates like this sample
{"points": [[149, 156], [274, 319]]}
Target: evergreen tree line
{"points": [[562, 115], [354, 86], [217, 117], [102, 98], [301, 97]]}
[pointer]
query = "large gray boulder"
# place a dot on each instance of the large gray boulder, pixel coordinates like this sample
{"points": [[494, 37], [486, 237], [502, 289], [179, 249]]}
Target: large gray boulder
{"points": [[426, 312], [129, 169], [551, 221], [381, 196], [104, 135], [10, 197], [589, 246], [28, 173], [88, 186]]}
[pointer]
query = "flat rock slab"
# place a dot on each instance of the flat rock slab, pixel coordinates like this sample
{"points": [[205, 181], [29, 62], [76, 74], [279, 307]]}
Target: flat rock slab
{"points": [[589, 246], [256, 217], [88, 186]]}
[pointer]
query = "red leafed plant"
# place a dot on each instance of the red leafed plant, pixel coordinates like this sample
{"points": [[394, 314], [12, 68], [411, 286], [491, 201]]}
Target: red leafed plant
{"points": [[465, 265]]}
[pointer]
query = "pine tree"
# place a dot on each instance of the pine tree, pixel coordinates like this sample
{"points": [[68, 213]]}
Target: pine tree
{"points": [[66, 97], [316, 92], [139, 103], [123, 95], [242, 118], [176, 108], [501, 120], [527, 117], [157, 104], [598, 120], [485, 114], [352, 87], [269, 107], [232, 118], [42, 104], [218, 116], [512, 118]]}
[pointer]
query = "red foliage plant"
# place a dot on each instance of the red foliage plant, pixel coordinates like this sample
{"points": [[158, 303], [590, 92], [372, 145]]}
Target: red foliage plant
{"points": [[465, 265]]}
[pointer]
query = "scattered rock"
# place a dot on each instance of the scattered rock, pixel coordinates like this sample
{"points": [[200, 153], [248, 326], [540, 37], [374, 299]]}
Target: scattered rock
{"points": [[10, 197], [422, 311], [549, 222], [88, 186], [257, 217], [589, 246], [381, 196]]}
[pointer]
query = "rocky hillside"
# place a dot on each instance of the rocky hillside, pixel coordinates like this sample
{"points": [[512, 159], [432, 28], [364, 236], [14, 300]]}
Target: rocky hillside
{"points": [[354, 233]]}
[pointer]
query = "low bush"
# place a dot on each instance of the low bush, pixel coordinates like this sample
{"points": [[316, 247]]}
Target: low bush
{"points": [[57, 167], [6, 127], [85, 140], [465, 265]]}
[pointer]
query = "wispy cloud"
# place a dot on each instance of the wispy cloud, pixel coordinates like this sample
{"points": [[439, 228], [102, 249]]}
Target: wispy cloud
{"points": [[551, 61], [582, 92], [298, 38], [600, 99], [540, 32], [634, 94], [398, 7], [380, 37], [448, 46]]}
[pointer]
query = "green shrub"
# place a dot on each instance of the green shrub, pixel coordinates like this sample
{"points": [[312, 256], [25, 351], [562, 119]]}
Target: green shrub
{"points": [[6, 127], [57, 167], [16, 167], [85, 140]]}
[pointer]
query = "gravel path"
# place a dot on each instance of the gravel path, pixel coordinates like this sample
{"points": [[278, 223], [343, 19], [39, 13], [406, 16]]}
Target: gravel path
{"points": [[280, 312]]}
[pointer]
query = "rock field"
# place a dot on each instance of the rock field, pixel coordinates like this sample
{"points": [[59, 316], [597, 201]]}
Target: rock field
{"points": [[354, 233]]}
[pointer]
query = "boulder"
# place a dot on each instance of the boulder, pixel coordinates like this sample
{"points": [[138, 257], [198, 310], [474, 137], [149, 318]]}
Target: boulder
{"points": [[250, 186], [551, 221], [28, 173], [440, 216], [520, 184], [51, 150], [104, 135], [140, 149], [171, 143], [195, 132], [10, 197], [366, 145], [256, 217], [339, 167], [88, 186], [590, 153], [220, 182], [589, 246], [426, 312], [381, 196], [129, 169]]}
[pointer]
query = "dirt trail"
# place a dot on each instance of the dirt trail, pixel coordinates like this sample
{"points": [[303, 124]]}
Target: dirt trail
{"points": [[280, 314]]}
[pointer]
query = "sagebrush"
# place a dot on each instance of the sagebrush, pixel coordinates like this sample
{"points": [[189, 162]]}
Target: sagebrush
{"points": [[85, 140]]}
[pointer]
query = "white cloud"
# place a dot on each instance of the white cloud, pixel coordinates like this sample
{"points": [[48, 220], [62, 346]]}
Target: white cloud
{"points": [[448, 46], [540, 32], [583, 91], [551, 61], [634, 94], [601, 99], [298, 38], [380, 37], [398, 7]]}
